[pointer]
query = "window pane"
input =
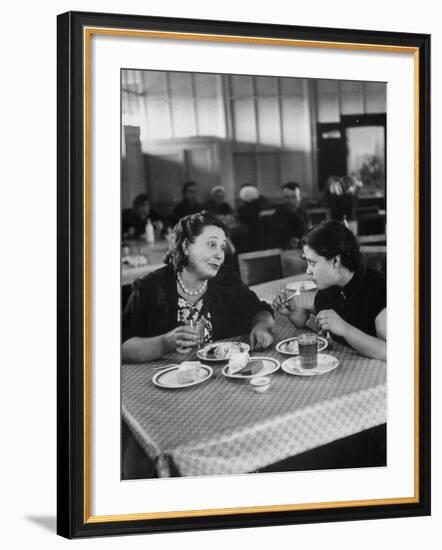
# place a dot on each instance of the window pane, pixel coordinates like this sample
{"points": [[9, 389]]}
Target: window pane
{"points": [[155, 84], [328, 101], [266, 86], [206, 85], [269, 129], [242, 86], [376, 97], [352, 98], [244, 120]]}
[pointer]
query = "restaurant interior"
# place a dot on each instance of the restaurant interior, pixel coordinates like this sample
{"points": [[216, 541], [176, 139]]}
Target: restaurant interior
{"points": [[237, 131], [232, 130]]}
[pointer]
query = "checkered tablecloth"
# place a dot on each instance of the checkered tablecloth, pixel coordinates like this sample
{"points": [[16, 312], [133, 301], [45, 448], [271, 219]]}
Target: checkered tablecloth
{"points": [[222, 427], [268, 291]]}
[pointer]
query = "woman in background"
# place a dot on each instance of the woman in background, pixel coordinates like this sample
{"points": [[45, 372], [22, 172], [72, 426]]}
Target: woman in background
{"points": [[351, 298], [194, 285]]}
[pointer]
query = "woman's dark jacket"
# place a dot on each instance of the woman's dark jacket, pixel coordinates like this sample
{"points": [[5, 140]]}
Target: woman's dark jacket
{"points": [[152, 307]]}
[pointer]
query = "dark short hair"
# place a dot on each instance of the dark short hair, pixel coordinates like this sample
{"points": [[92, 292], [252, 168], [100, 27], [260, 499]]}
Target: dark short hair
{"points": [[333, 238], [139, 200], [292, 185], [187, 229], [188, 184]]}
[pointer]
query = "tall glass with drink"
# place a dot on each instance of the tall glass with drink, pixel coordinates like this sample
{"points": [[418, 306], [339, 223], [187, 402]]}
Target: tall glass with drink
{"points": [[198, 330], [308, 350]]}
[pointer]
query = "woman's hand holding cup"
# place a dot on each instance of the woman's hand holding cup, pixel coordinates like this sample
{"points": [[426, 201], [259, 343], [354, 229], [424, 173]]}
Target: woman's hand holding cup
{"points": [[182, 338]]}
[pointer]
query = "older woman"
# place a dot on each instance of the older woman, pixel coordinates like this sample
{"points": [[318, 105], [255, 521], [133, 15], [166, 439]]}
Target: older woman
{"points": [[351, 300], [195, 286]]}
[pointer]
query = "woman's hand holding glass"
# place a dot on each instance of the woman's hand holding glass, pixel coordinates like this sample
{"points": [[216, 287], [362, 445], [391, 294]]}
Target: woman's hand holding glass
{"points": [[183, 338]]}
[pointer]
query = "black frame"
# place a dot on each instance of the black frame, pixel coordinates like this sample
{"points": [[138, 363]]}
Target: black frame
{"points": [[70, 265]]}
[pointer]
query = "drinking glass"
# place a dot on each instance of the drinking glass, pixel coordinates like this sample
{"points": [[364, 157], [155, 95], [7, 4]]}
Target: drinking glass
{"points": [[308, 350], [198, 329]]}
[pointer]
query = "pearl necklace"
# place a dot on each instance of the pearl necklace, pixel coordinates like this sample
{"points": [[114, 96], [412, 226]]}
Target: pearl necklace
{"points": [[191, 292]]}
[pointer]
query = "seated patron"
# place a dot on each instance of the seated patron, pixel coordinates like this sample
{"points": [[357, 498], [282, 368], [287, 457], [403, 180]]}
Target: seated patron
{"points": [[194, 285], [189, 204], [217, 204], [290, 221], [351, 299], [252, 204], [341, 195], [133, 220]]}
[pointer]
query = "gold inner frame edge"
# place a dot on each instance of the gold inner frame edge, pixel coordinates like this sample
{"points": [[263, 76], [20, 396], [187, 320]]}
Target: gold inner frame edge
{"points": [[87, 33]]}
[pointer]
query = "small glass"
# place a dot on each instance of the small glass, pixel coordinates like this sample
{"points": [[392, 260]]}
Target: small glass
{"points": [[308, 350], [198, 329]]}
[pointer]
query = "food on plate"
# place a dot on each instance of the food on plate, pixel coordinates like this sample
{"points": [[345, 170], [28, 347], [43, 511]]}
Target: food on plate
{"points": [[223, 351], [190, 371], [240, 363], [253, 368], [292, 347]]}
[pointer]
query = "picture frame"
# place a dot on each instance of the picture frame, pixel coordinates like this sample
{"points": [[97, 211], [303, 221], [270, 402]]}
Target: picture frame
{"points": [[76, 206]]}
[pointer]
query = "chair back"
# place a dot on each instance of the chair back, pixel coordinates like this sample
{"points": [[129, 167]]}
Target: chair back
{"points": [[260, 266], [372, 240], [371, 224]]}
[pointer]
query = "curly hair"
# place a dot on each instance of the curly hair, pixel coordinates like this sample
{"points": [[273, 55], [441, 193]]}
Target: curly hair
{"points": [[186, 231], [333, 238]]}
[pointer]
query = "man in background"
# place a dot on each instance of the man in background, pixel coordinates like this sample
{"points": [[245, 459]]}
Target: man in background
{"points": [[290, 221], [133, 220], [189, 203]]}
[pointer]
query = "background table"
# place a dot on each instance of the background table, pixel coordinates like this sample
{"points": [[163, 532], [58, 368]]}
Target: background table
{"points": [[222, 427], [154, 253]]}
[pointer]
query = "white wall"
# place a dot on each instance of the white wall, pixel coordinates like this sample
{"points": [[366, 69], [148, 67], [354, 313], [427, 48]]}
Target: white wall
{"points": [[27, 490]]}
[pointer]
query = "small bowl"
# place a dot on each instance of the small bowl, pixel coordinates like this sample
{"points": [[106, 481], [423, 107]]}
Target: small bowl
{"points": [[260, 384]]}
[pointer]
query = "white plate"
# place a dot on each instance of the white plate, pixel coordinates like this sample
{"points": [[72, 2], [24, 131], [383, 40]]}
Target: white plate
{"points": [[234, 347], [301, 285], [322, 344], [270, 365], [168, 378], [326, 363]]}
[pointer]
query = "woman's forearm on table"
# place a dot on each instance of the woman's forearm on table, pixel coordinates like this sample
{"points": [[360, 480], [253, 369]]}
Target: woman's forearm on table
{"points": [[299, 317], [371, 346], [264, 319], [138, 349]]}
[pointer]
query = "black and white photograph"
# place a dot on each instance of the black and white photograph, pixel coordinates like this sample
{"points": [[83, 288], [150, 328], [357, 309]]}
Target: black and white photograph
{"points": [[253, 274]]}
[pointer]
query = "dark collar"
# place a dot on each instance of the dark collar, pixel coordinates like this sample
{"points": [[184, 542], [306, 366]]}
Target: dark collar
{"points": [[353, 284]]}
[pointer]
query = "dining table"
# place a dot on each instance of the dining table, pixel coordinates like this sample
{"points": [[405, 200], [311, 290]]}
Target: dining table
{"points": [[222, 426], [140, 258]]}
